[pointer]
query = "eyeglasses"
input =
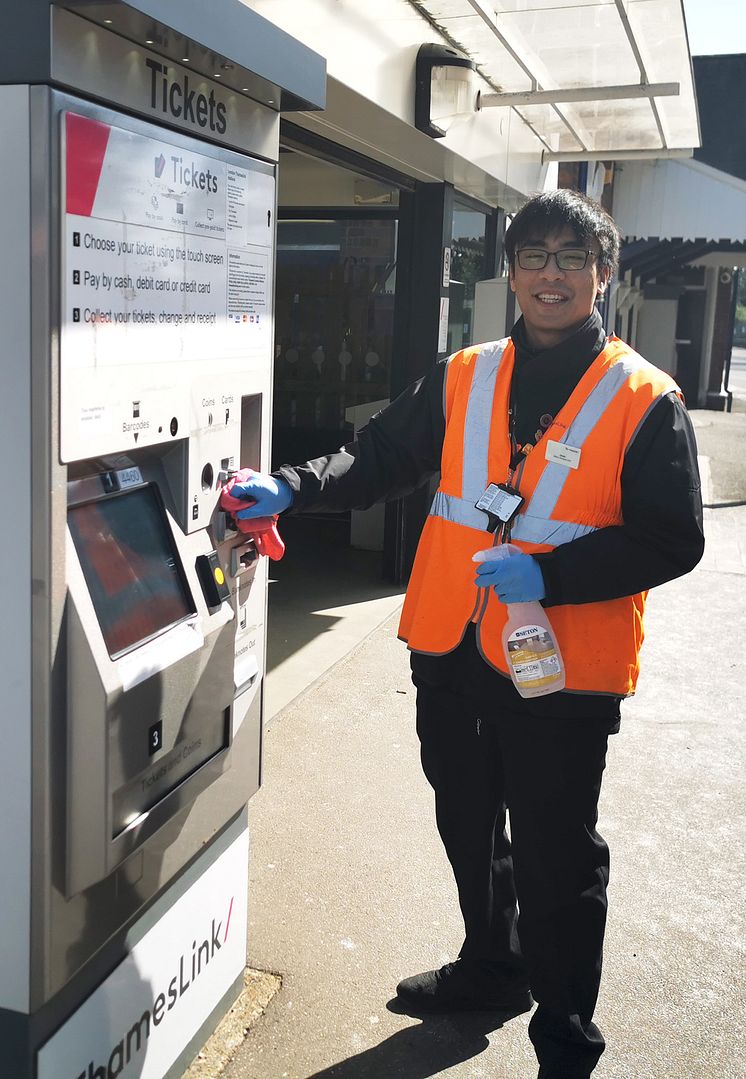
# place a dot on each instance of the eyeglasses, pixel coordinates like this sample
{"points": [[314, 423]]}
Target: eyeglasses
{"points": [[569, 258]]}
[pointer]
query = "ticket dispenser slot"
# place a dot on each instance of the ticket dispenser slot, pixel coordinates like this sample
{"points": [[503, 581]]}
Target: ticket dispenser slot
{"points": [[243, 558], [150, 669]]}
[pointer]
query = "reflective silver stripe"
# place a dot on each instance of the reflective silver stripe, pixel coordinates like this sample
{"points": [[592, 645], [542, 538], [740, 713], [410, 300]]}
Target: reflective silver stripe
{"points": [[478, 420], [553, 478], [476, 441], [458, 510], [540, 530]]}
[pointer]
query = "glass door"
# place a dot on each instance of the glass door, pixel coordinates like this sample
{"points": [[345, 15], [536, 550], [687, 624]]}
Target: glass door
{"points": [[334, 328]]}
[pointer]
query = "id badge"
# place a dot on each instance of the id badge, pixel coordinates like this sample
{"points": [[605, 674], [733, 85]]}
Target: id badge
{"points": [[562, 454], [500, 502]]}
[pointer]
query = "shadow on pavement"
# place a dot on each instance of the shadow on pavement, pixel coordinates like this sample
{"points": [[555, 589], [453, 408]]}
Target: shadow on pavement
{"points": [[418, 1052]]}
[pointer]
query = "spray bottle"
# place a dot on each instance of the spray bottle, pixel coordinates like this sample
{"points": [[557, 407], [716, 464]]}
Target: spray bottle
{"points": [[529, 643]]}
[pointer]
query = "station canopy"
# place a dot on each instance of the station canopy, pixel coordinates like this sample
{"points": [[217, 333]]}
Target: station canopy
{"points": [[684, 200], [534, 50]]}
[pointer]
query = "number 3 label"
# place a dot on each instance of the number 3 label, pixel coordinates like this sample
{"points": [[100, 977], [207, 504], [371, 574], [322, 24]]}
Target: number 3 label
{"points": [[155, 738]]}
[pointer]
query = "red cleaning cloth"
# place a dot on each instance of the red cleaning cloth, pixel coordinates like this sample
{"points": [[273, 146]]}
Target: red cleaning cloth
{"points": [[262, 530]]}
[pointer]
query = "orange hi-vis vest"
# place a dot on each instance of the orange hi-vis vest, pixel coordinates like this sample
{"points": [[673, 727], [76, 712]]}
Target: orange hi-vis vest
{"points": [[600, 642]]}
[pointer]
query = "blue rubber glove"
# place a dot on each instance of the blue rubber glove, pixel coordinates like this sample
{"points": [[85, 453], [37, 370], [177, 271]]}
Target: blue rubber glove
{"points": [[517, 579], [270, 496]]}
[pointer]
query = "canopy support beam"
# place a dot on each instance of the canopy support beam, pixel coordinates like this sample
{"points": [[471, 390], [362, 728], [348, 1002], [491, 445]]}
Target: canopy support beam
{"points": [[613, 155], [581, 93]]}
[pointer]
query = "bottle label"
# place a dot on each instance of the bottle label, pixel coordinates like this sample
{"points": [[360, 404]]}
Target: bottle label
{"points": [[533, 656]]}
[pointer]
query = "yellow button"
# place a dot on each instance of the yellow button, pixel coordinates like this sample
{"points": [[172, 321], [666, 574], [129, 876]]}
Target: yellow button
{"points": [[219, 576]]}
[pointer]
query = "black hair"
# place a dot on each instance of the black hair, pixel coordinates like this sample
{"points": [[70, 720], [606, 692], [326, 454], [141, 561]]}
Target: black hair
{"points": [[555, 210]]}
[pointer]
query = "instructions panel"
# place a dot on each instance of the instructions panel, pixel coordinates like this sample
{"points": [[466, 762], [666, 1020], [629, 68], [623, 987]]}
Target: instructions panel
{"points": [[166, 277]]}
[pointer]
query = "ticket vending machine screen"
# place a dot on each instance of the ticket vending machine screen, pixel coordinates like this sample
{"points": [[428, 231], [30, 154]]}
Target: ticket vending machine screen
{"points": [[131, 566]]}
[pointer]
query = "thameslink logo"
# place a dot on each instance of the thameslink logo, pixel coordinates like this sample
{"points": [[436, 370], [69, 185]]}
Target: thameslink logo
{"points": [[134, 1041], [173, 97]]}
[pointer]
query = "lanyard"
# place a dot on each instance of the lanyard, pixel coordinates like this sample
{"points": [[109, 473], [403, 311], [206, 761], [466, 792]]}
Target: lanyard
{"points": [[516, 465], [516, 455]]}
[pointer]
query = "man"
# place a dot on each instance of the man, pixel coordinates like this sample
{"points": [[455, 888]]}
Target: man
{"points": [[575, 449]]}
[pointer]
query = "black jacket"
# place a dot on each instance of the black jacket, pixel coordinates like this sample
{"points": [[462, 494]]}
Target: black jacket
{"points": [[661, 537]]}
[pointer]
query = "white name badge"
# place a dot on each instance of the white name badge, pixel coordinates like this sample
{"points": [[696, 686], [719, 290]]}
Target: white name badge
{"points": [[562, 454]]}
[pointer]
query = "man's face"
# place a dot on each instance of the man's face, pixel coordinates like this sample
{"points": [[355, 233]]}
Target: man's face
{"points": [[556, 302]]}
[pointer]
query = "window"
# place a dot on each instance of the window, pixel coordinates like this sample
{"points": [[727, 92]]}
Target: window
{"points": [[468, 265]]}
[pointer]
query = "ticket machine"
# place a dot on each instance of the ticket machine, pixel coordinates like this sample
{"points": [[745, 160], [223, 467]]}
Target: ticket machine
{"points": [[139, 143]]}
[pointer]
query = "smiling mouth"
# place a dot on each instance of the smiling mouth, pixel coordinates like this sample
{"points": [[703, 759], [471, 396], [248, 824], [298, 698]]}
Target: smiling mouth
{"points": [[550, 297]]}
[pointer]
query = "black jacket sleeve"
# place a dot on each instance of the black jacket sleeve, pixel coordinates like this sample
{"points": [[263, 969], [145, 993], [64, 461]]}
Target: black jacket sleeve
{"points": [[662, 536], [398, 450]]}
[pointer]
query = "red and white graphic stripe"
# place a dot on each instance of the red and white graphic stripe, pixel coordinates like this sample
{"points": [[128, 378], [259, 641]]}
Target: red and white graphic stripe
{"points": [[86, 147]]}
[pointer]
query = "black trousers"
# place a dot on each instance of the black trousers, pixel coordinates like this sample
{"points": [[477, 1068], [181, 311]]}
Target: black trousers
{"points": [[534, 905]]}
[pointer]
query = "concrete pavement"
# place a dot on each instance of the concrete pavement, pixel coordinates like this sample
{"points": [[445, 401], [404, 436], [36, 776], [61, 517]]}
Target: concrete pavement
{"points": [[350, 889]]}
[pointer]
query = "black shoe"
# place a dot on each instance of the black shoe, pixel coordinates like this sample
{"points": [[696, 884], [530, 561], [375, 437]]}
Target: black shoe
{"points": [[454, 989]]}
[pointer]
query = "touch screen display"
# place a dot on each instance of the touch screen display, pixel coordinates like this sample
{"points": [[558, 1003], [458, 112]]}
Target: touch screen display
{"points": [[131, 566]]}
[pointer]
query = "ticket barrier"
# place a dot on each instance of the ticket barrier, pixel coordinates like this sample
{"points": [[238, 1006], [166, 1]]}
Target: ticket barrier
{"points": [[136, 289]]}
